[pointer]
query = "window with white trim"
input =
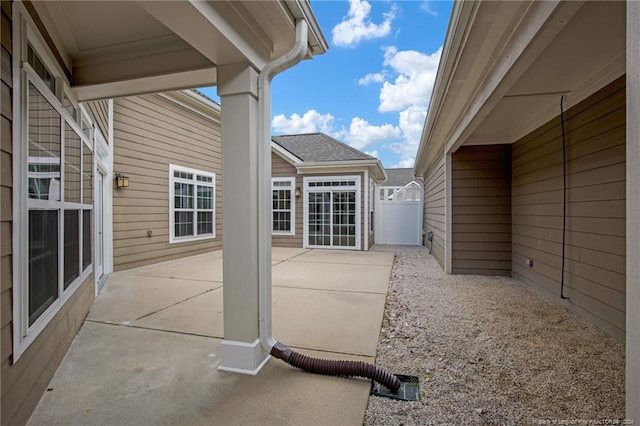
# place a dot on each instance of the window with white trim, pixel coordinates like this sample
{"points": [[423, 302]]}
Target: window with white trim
{"points": [[192, 204], [283, 206], [53, 193]]}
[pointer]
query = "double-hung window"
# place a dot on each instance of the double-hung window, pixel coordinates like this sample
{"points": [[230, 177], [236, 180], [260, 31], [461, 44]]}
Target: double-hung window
{"points": [[283, 206], [54, 195], [192, 204]]}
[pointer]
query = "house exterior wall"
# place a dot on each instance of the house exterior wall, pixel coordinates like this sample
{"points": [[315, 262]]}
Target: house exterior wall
{"points": [[595, 237], [150, 133], [281, 168], [6, 180], [100, 112], [434, 208], [481, 210], [24, 381]]}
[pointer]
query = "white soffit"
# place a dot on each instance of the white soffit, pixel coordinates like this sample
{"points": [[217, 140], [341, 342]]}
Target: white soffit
{"points": [[586, 55]]}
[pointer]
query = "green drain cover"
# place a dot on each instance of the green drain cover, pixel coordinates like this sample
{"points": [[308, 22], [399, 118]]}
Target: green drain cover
{"points": [[409, 389]]}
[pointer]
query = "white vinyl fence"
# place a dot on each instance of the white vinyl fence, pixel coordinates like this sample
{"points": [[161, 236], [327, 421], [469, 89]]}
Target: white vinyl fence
{"points": [[399, 214]]}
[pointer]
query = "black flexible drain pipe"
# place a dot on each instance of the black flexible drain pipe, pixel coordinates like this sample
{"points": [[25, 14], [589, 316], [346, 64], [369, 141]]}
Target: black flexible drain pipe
{"points": [[335, 368], [564, 195]]}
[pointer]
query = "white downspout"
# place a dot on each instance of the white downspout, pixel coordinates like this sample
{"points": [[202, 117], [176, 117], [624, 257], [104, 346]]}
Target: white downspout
{"points": [[288, 60]]}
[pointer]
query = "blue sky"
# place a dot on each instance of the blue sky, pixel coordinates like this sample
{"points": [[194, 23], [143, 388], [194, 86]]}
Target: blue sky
{"points": [[372, 88]]}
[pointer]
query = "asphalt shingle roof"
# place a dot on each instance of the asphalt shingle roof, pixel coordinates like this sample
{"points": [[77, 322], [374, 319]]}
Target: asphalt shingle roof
{"points": [[398, 177], [318, 147]]}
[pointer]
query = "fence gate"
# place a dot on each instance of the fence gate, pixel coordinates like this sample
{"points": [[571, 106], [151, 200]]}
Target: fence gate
{"points": [[399, 212]]}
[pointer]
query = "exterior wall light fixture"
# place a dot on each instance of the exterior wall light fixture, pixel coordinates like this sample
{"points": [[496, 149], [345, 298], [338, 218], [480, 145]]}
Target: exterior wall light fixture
{"points": [[122, 181], [298, 192]]}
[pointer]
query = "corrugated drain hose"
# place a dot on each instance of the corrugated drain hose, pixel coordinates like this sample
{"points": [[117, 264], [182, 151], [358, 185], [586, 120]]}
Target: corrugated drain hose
{"points": [[335, 368]]}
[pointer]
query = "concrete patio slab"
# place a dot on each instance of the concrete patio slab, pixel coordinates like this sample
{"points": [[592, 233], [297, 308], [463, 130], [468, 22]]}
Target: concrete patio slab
{"points": [[284, 253], [361, 278], [128, 297], [115, 375], [201, 315], [203, 267], [347, 257], [161, 366], [334, 321]]}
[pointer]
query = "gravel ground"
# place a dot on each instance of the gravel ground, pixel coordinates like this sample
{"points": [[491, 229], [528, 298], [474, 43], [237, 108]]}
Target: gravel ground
{"points": [[488, 350]]}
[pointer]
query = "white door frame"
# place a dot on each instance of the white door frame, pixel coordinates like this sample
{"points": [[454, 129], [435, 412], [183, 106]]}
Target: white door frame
{"points": [[305, 204], [103, 170]]}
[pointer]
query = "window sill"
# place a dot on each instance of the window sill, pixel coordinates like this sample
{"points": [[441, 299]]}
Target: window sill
{"points": [[173, 240]]}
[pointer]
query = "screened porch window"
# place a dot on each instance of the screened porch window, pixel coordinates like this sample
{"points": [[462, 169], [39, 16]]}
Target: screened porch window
{"points": [[59, 168], [192, 210]]}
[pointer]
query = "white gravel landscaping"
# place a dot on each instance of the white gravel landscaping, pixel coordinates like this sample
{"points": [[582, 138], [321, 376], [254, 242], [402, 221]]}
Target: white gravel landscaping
{"points": [[489, 350]]}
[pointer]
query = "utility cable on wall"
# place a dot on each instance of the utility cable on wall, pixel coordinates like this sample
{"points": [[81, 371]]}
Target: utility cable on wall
{"points": [[564, 196]]}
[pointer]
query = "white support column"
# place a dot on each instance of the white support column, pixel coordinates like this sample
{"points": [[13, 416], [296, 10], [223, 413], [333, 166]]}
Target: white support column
{"points": [[241, 349], [633, 212]]}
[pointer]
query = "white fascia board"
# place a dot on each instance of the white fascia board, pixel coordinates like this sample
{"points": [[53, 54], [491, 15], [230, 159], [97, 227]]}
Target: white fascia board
{"points": [[454, 42], [192, 101], [373, 166], [285, 155]]}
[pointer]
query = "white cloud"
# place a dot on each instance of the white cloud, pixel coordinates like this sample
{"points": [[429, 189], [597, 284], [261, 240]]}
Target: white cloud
{"points": [[416, 74], [361, 134], [310, 122], [426, 7], [357, 25], [407, 82], [376, 77], [373, 153]]}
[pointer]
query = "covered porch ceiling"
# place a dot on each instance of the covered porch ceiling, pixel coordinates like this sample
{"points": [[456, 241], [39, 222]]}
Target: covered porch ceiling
{"points": [[587, 54], [111, 49], [506, 64]]}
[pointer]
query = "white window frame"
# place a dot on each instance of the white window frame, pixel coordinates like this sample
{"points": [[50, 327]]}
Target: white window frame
{"points": [[172, 179], [292, 194], [24, 31], [358, 189]]}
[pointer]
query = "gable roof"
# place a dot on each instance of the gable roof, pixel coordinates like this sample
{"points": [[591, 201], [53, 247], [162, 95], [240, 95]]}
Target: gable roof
{"points": [[318, 147], [399, 177]]}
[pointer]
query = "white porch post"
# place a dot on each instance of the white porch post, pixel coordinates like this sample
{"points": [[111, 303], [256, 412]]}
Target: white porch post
{"points": [[633, 211], [238, 90]]}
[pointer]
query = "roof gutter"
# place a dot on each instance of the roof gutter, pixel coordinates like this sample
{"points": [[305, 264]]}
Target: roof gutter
{"points": [[454, 41], [374, 166], [301, 9]]}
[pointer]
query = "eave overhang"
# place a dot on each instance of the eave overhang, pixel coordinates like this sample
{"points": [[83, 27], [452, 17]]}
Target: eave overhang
{"points": [[544, 50]]}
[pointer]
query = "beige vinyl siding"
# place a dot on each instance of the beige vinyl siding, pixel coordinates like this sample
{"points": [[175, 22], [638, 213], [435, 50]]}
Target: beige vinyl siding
{"points": [[281, 168], [6, 183], [595, 251], [434, 208], [24, 382], [151, 132], [99, 110], [481, 210]]}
